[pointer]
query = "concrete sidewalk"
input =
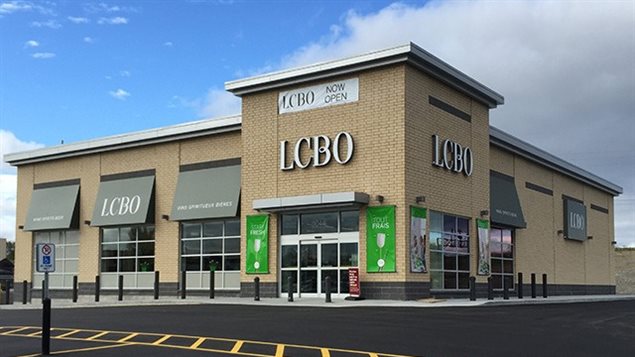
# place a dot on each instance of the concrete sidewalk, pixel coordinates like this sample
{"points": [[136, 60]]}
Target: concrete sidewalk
{"points": [[111, 301]]}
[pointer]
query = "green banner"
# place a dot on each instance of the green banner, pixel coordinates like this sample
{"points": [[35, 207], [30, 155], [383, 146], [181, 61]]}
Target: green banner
{"points": [[257, 244], [380, 239], [418, 240], [483, 247]]}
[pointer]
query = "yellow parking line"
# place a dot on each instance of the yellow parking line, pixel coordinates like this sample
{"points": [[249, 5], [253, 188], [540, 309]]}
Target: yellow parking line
{"points": [[89, 349], [16, 330], [161, 340], [237, 346], [98, 335], [67, 334], [280, 351], [373, 355], [325, 352], [132, 335], [198, 342], [34, 333]]}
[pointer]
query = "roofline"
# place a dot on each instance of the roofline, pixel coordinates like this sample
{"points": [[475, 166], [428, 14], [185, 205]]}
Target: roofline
{"points": [[129, 140], [521, 148], [409, 53]]}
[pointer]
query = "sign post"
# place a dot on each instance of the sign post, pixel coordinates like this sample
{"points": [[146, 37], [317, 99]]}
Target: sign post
{"points": [[45, 264]]}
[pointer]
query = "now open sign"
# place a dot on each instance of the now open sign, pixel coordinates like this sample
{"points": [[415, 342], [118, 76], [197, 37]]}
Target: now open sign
{"points": [[45, 257]]}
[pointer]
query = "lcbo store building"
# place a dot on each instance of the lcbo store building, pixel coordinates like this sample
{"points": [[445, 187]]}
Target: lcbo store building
{"points": [[383, 162]]}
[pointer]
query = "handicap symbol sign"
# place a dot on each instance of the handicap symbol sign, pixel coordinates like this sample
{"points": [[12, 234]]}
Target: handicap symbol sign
{"points": [[46, 260]]}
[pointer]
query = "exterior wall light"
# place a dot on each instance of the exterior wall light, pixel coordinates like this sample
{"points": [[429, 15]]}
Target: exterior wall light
{"points": [[87, 223], [20, 227], [379, 198], [484, 213], [165, 217], [560, 232], [420, 199]]}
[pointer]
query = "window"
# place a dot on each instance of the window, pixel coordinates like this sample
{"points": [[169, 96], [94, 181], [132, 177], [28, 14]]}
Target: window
{"points": [[324, 222], [127, 251], [66, 258], [449, 251], [207, 244], [502, 255]]}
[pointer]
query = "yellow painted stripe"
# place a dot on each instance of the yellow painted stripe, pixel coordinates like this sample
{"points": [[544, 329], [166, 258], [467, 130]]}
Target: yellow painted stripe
{"points": [[198, 342], [98, 335], [373, 355], [88, 349], [280, 351], [237, 346], [325, 352], [161, 340], [67, 334], [16, 330], [132, 335], [34, 333]]}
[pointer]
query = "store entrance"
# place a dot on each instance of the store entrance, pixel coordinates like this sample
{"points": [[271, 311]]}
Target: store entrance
{"points": [[309, 258]]}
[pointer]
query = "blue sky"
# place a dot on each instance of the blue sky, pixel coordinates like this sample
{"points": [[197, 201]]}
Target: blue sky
{"points": [[77, 70]]}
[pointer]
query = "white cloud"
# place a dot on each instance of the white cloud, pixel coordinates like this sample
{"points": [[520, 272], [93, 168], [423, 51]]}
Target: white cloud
{"points": [[558, 64], [215, 103], [112, 20], [168, 44], [31, 43], [52, 24], [14, 6], [43, 55], [88, 39], [119, 94], [105, 8], [78, 20], [8, 181], [125, 73]]}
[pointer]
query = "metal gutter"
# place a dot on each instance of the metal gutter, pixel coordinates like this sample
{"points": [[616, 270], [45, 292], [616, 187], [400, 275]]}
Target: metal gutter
{"points": [[409, 53], [128, 140], [521, 148]]}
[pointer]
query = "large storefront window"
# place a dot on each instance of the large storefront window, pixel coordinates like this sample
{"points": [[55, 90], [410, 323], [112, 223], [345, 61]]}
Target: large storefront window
{"points": [[318, 245], [127, 251], [502, 251], [211, 243], [66, 258], [449, 251]]}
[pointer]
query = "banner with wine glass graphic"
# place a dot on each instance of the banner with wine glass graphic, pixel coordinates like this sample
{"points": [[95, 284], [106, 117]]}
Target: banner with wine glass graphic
{"points": [[257, 244], [483, 247], [380, 239]]}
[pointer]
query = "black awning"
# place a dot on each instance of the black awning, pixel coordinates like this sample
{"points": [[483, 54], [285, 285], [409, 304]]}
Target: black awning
{"points": [[504, 203]]}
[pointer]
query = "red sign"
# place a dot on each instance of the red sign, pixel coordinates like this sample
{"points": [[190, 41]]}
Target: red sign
{"points": [[354, 289], [46, 249]]}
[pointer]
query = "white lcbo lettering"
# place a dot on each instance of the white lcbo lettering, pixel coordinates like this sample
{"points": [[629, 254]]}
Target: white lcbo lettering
{"points": [[321, 149], [452, 156], [576, 220], [121, 206]]}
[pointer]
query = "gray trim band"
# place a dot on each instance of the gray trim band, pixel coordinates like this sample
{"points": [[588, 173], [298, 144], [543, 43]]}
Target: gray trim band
{"points": [[538, 188], [38, 186], [599, 208], [449, 109], [127, 175], [209, 164]]}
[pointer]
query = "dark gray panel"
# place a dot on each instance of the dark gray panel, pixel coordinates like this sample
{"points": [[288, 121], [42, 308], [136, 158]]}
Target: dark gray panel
{"points": [[504, 203], [53, 208], [574, 219], [208, 193], [123, 202]]}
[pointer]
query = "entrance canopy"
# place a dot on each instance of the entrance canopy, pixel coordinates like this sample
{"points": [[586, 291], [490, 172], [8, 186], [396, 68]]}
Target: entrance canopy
{"points": [[504, 203], [53, 208], [320, 200], [125, 201], [207, 193]]}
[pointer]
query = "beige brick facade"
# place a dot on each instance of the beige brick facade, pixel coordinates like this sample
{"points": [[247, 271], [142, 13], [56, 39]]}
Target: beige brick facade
{"points": [[392, 125]]}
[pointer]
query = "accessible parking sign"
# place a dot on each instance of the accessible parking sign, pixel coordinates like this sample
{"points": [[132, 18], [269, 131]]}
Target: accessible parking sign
{"points": [[45, 257]]}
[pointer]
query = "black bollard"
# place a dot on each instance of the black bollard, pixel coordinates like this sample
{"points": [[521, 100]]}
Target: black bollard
{"points": [[97, 288], [520, 285], [327, 286], [120, 288], [212, 283], [24, 292], [472, 288], [544, 286], [156, 285], [46, 327], [183, 283], [505, 289], [7, 293], [256, 289], [290, 287], [490, 289], [74, 288], [533, 285]]}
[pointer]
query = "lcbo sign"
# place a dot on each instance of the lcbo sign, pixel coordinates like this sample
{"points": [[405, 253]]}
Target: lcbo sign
{"points": [[452, 156], [323, 95], [322, 148], [121, 206]]}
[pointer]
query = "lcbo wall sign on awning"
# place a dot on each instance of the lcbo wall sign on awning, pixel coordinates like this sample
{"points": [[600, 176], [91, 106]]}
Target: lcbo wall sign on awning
{"points": [[323, 95]]}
